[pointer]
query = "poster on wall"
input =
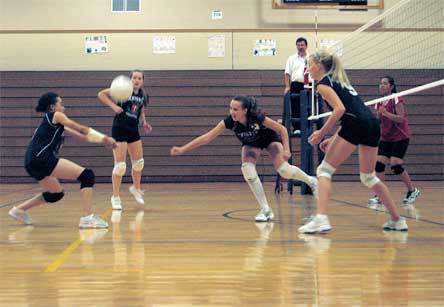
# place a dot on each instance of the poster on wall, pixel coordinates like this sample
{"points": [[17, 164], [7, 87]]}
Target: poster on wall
{"points": [[216, 46], [265, 47], [332, 46], [165, 44], [96, 44]]}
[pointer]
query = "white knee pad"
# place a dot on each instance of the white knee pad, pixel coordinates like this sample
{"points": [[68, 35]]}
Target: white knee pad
{"points": [[249, 171], [285, 170], [119, 169], [325, 170], [138, 164], [369, 179]]}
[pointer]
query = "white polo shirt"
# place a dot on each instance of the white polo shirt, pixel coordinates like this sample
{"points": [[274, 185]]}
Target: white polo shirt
{"points": [[295, 67]]}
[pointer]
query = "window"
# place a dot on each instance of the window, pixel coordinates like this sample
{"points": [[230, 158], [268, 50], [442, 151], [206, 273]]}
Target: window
{"points": [[125, 5]]}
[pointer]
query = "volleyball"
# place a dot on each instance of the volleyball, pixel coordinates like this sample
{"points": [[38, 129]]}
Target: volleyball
{"points": [[121, 88]]}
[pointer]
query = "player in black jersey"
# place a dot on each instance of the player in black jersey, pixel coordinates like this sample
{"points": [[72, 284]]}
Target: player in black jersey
{"points": [[359, 128], [256, 132], [126, 132], [43, 164]]}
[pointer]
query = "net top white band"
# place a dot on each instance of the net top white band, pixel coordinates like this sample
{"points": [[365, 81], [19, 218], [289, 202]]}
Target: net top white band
{"points": [[403, 93]]}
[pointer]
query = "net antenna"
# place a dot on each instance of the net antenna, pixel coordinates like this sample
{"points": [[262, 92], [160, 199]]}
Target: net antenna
{"points": [[407, 36]]}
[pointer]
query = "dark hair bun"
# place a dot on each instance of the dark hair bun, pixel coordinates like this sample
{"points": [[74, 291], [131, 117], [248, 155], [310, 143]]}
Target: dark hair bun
{"points": [[45, 102]]}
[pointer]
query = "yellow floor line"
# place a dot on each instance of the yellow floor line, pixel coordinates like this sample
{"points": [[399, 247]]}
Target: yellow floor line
{"points": [[70, 249]]}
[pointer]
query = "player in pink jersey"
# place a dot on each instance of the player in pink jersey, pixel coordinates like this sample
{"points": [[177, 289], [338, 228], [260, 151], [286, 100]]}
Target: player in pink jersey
{"points": [[395, 137]]}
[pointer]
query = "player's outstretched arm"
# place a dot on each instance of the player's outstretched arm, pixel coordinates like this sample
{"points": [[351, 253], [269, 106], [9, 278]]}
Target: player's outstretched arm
{"points": [[199, 141], [82, 132]]}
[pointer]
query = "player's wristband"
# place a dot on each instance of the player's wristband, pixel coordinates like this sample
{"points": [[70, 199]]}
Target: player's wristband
{"points": [[94, 136]]}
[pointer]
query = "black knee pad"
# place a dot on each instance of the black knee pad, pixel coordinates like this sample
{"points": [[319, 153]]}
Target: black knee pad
{"points": [[380, 167], [397, 169], [87, 179], [52, 197]]}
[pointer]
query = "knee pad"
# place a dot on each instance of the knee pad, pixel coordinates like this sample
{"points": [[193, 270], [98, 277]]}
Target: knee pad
{"points": [[380, 167], [87, 179], [369, 179], [325, 170], [285, 170], [52, 197], [119, 169], [249, 171], [397, 169], [138, 164]]}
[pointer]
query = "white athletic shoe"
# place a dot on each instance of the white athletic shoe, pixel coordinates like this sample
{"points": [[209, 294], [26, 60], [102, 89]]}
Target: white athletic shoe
{"points": [[318, 224], [138, 194], [374, 201], [399, 225], [264, 215], [92, 221], [314, 186], [411, 197], [20, 215], [116, 203]]}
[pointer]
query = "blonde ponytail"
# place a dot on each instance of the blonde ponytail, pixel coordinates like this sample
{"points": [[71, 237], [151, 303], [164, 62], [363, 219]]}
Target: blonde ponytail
{"points": [[332, 65], [338, 72]]}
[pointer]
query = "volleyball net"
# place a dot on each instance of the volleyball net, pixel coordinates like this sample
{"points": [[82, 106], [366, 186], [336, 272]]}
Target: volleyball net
{"points": [[406, 37]]}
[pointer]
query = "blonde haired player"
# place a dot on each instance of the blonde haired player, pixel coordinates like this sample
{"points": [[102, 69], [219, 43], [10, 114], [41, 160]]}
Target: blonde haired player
{"points": [[43, 164], [359, 129]]}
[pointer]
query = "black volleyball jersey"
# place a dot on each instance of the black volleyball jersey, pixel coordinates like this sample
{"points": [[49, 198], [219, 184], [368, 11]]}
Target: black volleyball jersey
{"points": [[131, 110], [47, 138], [354, 106], [250, 133]]}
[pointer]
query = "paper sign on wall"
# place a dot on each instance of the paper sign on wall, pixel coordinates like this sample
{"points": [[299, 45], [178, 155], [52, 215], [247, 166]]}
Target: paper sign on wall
{"points": [[164, 44], [216, 46], [96, 44], [265, 47]]}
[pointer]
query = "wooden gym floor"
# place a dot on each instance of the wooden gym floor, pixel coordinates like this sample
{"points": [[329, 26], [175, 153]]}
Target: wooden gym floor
{"points": [[197, 245]]}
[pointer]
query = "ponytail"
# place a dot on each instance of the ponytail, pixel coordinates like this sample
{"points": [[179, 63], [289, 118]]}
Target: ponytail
{"points": [[46, 101], [332, 65]]}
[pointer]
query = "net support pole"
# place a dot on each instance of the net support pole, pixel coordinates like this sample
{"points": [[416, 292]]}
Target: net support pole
{"points": [[306, 148]]}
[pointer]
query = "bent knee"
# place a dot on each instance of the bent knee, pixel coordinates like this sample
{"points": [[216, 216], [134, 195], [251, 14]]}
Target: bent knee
{"points": [[369, 179], [87, 178], [119, 168], [52, 197], [249, 171], [325, 170]]}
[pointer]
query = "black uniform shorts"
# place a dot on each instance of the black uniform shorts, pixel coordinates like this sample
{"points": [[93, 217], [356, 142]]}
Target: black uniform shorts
{"points": [[361, 132], [41, 166], [125, 134], [266, 138], [393, 149]]}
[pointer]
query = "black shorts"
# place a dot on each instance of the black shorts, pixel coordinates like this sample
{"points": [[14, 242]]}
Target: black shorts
{"points": [[393, 149], [125, 134], [266, 138], [41, 166], [361, 132]]}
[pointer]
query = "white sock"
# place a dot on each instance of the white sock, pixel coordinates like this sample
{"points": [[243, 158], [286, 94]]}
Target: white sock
{"points": [[293, 172], [258, 191]]}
